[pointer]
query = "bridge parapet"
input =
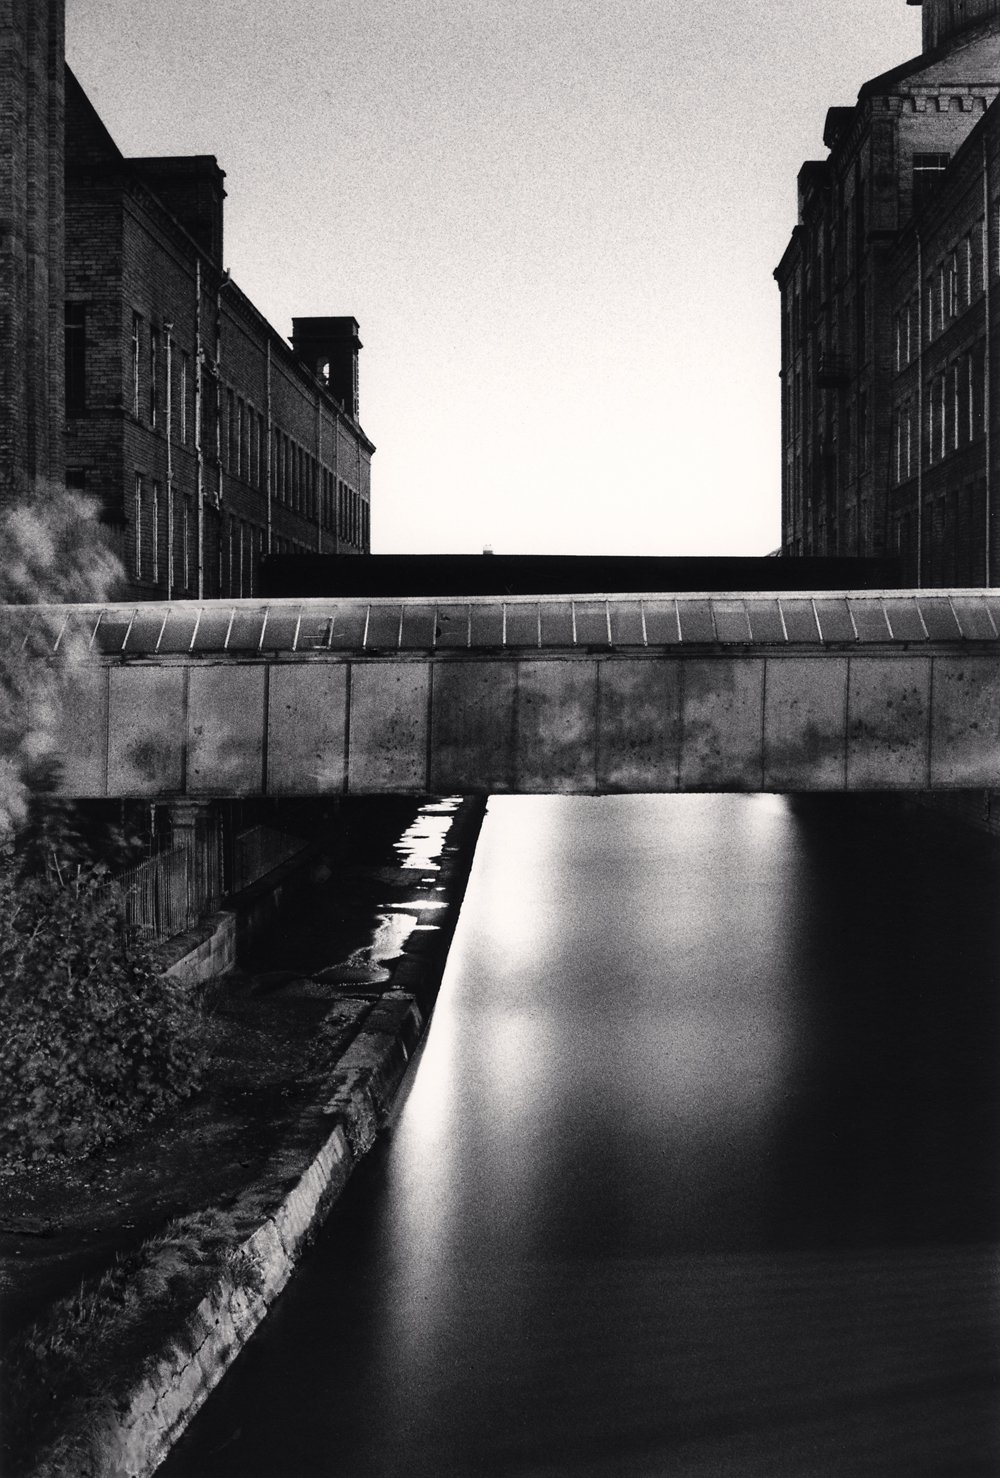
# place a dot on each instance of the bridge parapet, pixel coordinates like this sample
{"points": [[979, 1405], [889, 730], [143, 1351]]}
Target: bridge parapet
{"points": [[804, 691], [519, 623]]}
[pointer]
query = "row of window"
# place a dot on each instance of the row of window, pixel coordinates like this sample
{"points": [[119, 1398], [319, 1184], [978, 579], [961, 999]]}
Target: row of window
{"points": [[839, 246], [953, 411], [149, 389], [949, 290], [239, 551], [951, 534], [244, 440], [152, 541], [298, 479], [166, 556]]}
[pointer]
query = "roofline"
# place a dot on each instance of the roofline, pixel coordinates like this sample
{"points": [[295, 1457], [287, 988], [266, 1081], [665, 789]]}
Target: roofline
{"points": [[876, 85]]}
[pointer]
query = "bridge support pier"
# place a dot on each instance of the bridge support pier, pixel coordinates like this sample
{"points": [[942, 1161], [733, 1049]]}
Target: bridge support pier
{"points": [[187, 819], [195, 831]]}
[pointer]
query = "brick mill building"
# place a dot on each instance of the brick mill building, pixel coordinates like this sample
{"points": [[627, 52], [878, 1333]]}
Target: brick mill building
{"points": [[140, 373], [889, 341]]}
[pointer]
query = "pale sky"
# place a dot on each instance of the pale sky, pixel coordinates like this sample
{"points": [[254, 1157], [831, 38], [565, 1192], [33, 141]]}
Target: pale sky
{"points": [[555, 220]]}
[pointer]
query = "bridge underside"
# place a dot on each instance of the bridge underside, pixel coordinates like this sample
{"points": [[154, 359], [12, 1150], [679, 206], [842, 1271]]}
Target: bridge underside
{"points": [[752, 700]]}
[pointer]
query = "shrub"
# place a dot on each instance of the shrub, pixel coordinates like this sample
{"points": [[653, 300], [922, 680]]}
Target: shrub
{"points": [[93, 1039]]}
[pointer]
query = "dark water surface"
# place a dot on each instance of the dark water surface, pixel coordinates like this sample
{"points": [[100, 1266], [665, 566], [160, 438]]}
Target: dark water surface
{"points": [[698, 1174]]}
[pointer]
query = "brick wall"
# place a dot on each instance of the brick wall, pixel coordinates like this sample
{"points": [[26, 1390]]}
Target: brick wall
{"points": [[31, 246], [261, 458], [844, 280]]}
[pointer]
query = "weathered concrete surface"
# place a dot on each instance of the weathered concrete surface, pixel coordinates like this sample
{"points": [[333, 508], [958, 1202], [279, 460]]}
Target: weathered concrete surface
{"points": [[452, 721], [965, 722], [306, 715], [225, 749], [888, 724], [805, 722], [203, 953], [388, 721], [145, 733]]}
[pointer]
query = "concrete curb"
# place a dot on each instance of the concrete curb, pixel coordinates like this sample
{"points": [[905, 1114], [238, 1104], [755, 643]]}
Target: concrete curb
{"points": [[134, 1433], [202, 953]]}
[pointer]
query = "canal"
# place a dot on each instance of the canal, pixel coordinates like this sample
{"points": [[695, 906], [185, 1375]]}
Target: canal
{"points": [[697, 1174]]}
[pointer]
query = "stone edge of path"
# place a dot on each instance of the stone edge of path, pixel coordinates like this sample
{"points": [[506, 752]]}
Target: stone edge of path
{"points": [[134, 1435]]}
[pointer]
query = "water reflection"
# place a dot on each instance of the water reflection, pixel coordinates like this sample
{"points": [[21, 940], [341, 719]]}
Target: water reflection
{"points": [[698, 1175], [420, 845]]}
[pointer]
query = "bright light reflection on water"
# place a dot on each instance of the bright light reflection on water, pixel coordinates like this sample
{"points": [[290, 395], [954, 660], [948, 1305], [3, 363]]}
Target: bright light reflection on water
{"points": [[420, 845], [697, 1176]]}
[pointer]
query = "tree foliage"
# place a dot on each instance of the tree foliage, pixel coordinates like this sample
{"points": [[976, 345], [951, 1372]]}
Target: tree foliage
{"points": [[94, 1039], [53, 551]]}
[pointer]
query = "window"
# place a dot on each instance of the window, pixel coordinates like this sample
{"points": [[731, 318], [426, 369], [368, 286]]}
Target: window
{"points": [[951, 409], [76, 359], [136, 337], [940, 296], [965, 290], [907, 442], [941, 443], [240, 425], [209, 411], [185, 375], [952, 285], [139, 511], [927, 171], [154, 355], [976, 388], [186, 522], [230, 431], [863, 429], [154, 532]]}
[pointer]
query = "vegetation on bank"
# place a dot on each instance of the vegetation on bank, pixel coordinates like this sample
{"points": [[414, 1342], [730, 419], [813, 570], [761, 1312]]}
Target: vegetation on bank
{"points": [[66, 1372], [94, 1039]]}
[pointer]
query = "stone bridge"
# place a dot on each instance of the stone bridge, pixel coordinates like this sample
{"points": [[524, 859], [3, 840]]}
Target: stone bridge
{"points": [[891, 690]]}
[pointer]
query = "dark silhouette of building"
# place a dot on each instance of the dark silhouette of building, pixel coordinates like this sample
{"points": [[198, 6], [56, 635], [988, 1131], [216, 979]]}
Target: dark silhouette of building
{"points": [[32, 88], [134, 366], [415, 575], [889, 438]]}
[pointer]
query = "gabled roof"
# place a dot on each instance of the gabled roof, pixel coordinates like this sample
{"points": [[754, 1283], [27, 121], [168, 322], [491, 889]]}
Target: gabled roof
{"points": [[972, 56], [87, 139]]}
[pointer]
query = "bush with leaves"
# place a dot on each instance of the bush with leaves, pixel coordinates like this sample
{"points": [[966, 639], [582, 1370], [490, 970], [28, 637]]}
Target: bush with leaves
{"points": [[54, 550], [94, 1039]]}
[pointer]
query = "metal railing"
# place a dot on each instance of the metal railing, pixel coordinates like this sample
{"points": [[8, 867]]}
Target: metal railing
{"points": [[172, 891]]}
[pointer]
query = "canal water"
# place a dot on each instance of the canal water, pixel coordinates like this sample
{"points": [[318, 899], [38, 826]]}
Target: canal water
{"points": [[697, 1175]]}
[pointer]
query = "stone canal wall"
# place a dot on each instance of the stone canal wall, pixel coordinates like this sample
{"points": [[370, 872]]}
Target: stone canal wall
{"points": [[146, 1408]]}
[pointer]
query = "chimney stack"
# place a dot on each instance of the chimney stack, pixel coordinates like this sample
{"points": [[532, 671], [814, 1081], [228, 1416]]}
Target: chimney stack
{"points": [[329, 347], [945, 18]]}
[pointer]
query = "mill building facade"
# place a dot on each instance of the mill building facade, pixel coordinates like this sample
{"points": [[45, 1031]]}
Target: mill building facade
{"points": [[142, 376], [889, 333]]}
